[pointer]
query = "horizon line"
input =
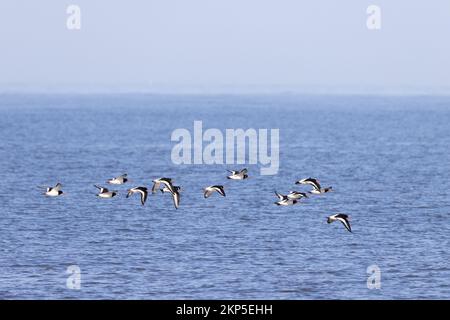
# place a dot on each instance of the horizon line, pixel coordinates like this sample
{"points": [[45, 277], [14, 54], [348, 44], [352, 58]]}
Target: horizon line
{"points": [[224, 90]]}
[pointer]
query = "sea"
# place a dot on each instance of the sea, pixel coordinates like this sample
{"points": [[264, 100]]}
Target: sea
{"points": [[387, 158]]}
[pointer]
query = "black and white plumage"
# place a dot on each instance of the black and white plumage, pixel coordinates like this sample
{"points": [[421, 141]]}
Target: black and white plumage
{"points": [[141, 190], [167, 190], [238, 175], [54, 191], [342, 218], [283, 200], [119, 180], [286, 202], [313, 182], [296, 195], [105, 193], [167, 182], [211, 189], [280, 197], [317, 189], [168, 187], [176, 198]]}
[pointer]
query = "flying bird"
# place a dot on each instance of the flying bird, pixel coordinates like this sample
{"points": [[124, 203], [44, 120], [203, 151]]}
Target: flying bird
{"points": [[238, 175], [286, 202], [167, 182], [317, 189], [118, 180], [141, 190], [211, 189], [168, 187], [283, 200], [342, 218], [105, 193], [296, 195], [54, 191]]}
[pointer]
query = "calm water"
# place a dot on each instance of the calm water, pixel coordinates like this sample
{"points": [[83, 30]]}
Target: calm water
{"points": [[388, 159]]}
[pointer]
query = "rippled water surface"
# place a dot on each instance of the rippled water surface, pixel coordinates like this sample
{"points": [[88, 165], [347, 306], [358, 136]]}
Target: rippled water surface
{"points": [[388, 159]]}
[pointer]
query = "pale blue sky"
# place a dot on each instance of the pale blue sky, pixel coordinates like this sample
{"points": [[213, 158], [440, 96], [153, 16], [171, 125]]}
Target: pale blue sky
{"points": [[221, 45]]}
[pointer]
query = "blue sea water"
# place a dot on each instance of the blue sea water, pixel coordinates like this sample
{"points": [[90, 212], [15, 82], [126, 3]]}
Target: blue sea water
{"points": [[387, 158]]}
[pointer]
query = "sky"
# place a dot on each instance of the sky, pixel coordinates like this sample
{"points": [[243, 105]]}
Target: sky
{"points": [[225, 45]]}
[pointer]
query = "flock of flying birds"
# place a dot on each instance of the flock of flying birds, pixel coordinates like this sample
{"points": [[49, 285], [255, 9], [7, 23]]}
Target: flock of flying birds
{"points": [[165, 185]]}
